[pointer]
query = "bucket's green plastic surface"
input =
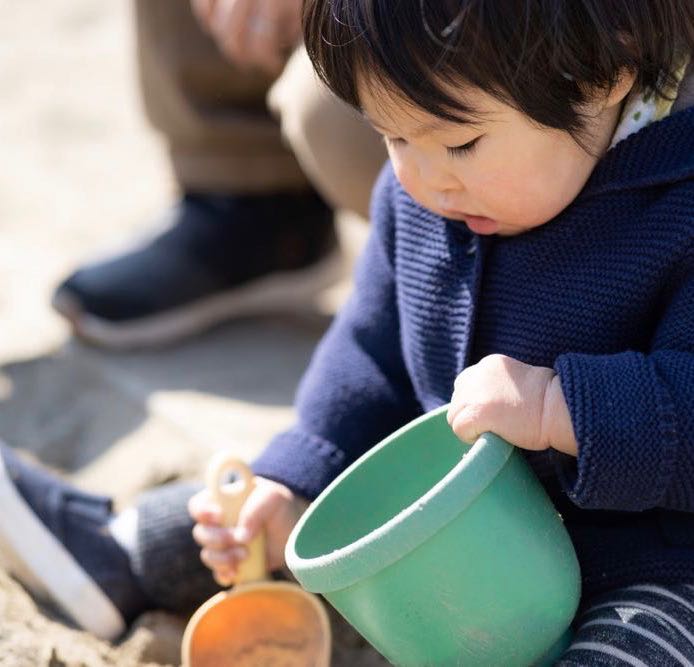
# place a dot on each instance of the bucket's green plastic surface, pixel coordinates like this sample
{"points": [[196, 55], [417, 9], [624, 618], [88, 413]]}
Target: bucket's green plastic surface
{"points": [[442, 554]]}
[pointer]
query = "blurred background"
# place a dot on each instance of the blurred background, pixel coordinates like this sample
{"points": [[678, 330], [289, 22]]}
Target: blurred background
{"points": [[80, 173]]}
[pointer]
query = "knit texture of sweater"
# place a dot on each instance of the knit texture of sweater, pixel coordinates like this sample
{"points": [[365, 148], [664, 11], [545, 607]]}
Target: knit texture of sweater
{"points": [[603, 293]]}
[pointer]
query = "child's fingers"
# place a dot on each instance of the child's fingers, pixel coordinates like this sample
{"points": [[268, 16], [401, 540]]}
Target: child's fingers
{"points": [[255, 513], [223, 558], [468, 423], [224, 577], [213, 537], [204, 510], [455, 407]]}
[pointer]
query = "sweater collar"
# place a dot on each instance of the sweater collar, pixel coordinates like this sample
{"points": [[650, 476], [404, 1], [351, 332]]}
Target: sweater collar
{"points": [[643, 107], [660, 153]]}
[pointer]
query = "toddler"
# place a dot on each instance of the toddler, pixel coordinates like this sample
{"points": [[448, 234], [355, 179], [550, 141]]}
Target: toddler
{"points": [[531, 263]]}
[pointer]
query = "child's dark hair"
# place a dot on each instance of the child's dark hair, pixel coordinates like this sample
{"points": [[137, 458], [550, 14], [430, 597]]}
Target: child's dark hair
{"points": [[539, 56]]}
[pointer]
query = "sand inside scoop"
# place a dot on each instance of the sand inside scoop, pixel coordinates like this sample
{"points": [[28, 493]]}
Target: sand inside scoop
{"points": [[259, 628]]}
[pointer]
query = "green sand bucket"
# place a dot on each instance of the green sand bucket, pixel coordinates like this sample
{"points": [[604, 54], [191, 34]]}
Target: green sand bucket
{"points": [[442, 554]]}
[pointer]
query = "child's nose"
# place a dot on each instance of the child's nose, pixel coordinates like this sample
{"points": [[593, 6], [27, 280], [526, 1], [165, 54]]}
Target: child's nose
{"points": [[434, 174]]}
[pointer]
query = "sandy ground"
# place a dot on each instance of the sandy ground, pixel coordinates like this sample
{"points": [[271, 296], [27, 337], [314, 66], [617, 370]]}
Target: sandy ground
{"points": [[80, 172]]}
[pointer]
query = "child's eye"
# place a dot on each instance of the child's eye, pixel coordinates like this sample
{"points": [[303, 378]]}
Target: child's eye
{"points": [[459, 151]]}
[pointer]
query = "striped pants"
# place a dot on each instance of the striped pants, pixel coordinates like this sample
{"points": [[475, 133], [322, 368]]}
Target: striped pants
{"points": [[644, 625]]}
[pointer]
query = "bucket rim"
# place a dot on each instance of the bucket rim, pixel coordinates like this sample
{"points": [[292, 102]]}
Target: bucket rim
{"points": [[409, 528]]}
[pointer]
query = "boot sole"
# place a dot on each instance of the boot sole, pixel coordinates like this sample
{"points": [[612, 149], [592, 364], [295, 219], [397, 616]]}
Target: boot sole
{"points": [[279, 292], [33, 555]]}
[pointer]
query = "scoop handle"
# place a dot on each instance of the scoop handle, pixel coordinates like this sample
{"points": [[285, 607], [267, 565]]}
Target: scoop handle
{"points": [[231, 499]]}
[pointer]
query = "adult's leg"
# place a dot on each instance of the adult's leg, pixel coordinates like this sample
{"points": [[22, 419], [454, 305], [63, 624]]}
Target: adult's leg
{"points": [[336, 147], [645, 625], [212, 115], [249, 234]]}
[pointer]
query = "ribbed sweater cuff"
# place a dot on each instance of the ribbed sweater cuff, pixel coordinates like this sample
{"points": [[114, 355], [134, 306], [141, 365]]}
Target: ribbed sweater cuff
{"points": [[624, 422], [303, 462]]}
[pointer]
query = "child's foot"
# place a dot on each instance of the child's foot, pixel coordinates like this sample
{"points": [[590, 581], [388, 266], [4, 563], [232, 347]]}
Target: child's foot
{"points": [[55, 539]]}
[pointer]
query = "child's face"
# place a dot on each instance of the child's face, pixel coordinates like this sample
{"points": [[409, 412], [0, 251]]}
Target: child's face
{"points": [[517, 175]]}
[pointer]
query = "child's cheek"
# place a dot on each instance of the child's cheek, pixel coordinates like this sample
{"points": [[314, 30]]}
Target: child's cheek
{"points": [[408, 179]]}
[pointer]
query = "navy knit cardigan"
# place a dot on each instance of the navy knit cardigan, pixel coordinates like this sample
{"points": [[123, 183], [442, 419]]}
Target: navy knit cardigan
{"points": [[603, 293]]}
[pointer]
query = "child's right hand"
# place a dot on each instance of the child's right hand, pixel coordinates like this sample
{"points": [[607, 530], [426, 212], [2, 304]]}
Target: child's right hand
{"points": [[271, 508]]}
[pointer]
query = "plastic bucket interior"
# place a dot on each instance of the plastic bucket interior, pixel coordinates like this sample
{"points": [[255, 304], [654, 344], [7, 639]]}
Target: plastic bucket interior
{"points": [[439, 553]]}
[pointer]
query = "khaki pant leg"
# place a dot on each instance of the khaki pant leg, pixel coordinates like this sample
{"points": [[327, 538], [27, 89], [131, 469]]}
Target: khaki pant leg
{"points": [[335, 146], [220, 133]]}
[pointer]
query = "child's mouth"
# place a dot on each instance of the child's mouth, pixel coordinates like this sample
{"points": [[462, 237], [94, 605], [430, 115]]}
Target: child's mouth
{"points": [[481, 225], [476, 223]]}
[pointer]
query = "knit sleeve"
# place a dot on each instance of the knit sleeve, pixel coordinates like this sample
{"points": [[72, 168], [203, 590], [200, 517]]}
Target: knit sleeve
{"points": [[633, 416], [356, 389]]}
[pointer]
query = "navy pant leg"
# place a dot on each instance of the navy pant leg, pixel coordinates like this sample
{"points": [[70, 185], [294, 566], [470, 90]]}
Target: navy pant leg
{"points": [[646, 625]]}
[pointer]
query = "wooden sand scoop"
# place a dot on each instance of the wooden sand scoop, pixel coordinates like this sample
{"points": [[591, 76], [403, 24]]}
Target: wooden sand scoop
{"points": [[259, 622]]}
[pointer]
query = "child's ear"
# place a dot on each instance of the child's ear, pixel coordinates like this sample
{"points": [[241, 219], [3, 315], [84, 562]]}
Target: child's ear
{"points": [[599, 100], [621, 89]]}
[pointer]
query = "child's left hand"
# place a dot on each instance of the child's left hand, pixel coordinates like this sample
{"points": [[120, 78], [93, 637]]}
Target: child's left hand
{"points": [[520, 403]]}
